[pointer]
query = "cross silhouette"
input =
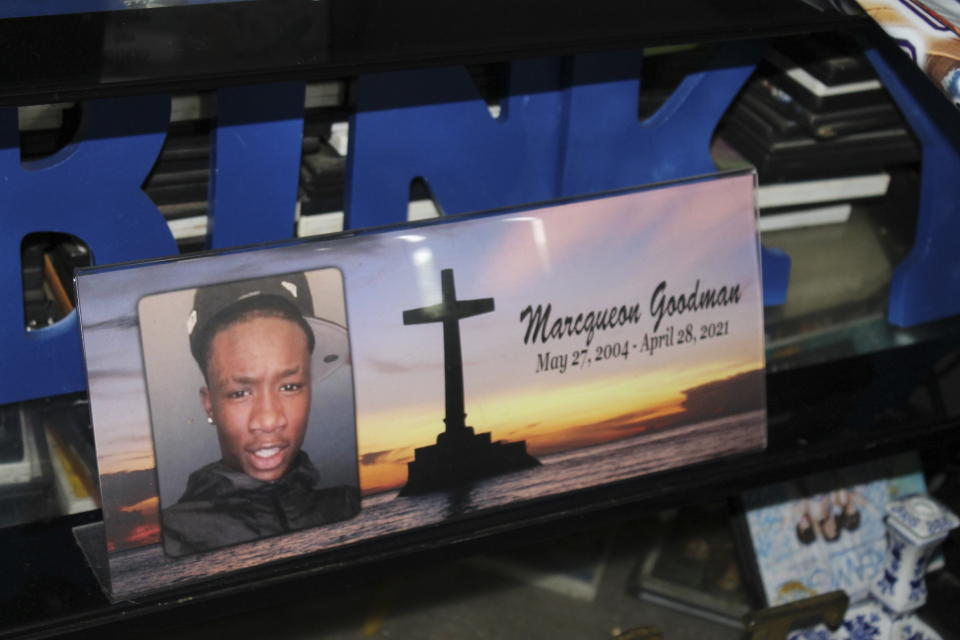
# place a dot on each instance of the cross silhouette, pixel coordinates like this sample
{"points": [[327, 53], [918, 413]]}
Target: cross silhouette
{"points": [[450, 311]]}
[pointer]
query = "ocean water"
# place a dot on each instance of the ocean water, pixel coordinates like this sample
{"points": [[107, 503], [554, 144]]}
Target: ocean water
{"points": [[147, 569]]}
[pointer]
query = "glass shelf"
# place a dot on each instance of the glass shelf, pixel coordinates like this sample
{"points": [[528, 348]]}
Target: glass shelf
{"points": [[822, 416]]}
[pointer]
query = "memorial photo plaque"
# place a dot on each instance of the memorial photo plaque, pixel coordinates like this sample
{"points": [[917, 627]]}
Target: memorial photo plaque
{"points": [[458, 367]]}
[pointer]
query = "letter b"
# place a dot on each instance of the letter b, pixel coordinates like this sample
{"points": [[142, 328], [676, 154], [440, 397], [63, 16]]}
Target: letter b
{"points": [[90, 189]]}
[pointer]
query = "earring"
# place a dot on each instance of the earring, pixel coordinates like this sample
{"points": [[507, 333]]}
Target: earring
{"points": [[210, 420]]}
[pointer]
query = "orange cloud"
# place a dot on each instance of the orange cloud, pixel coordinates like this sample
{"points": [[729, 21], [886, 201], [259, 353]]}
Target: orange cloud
{"points": [[135, 525], [143, 535], [384, 470], [615, 428], [150, 505]]}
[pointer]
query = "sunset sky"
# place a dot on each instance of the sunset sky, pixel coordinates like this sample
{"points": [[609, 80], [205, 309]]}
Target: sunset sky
{"points": [[579, 257]]}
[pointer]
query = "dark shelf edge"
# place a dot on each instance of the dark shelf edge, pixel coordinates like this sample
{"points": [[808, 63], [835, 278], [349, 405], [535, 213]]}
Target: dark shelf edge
{"points": [[203, 47], [786, 457]]}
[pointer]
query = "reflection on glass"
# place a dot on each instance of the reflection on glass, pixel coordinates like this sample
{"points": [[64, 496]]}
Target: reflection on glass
{"points": [[458, 502], [539, 239], [428, 278]]}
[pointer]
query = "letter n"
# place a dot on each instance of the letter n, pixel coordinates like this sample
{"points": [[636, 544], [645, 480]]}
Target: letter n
{"points": [[433, 124], [92, 190]]}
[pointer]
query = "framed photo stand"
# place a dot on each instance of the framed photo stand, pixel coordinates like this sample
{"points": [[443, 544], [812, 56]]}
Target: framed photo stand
{"points": [[252, 406]]}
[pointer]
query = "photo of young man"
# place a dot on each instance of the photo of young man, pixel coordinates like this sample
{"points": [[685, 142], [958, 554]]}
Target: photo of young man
{"points": [[259, 357]]}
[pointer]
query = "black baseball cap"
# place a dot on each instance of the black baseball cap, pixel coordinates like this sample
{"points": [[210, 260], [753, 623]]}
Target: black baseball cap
{"points": [[215, 306]]}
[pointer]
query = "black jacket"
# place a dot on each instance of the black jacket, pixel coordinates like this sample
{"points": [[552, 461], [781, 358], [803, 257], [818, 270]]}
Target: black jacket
{"points": [[222, 506]]}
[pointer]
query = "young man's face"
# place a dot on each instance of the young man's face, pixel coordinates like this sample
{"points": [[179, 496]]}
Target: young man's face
{"points": [[258, 394]]}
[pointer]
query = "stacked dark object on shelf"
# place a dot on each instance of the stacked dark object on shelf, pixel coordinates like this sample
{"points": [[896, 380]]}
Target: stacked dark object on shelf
{"points": [[815, 109], [838, 171], [820, 129]]}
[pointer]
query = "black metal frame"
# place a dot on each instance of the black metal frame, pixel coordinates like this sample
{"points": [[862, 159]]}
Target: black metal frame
{"points": [[820, 416], [73, 56]]}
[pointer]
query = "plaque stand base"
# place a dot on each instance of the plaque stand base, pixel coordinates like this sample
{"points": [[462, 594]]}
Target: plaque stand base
{"points": [[92, 540]]}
